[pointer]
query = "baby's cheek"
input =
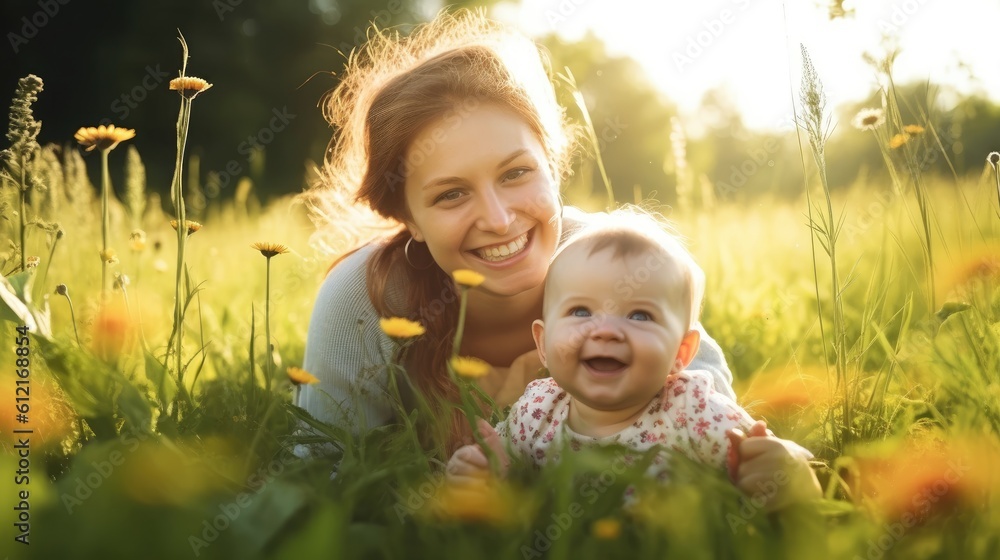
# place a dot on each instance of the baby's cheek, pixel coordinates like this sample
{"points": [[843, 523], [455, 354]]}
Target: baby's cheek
{"points": [[568, 346], [566, 351]]}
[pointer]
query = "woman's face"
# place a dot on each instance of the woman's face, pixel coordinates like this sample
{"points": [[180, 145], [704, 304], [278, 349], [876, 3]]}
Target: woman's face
{"points": [[482, 197]]}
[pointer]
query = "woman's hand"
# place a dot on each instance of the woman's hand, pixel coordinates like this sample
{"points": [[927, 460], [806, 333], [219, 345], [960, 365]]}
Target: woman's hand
{"points": [[770, 468], [469, 464]]}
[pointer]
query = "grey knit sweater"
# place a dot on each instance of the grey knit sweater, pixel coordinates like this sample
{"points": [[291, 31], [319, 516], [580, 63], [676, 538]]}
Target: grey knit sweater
{"points": [[346, 350]]}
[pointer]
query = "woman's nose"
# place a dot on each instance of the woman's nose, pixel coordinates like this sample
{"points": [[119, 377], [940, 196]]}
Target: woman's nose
{"points": [[495, 214]]}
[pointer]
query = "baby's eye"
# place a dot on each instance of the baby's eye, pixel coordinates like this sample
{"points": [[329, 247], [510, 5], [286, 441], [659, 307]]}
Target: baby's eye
{"points": [[579, 312], [640, 316]]}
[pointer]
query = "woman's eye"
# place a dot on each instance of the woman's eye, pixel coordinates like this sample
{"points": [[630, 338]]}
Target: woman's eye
{"points": [[640, 316], [449, 196], [515, 174], [579, 312]]}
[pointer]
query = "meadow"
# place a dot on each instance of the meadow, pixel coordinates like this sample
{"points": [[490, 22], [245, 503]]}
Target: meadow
{"points": [[862, 323]]}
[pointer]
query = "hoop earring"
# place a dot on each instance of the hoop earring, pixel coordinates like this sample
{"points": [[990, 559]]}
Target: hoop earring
{"points": [[406, 255]]}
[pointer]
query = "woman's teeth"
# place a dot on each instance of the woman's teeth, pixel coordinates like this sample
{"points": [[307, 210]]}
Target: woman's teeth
{"points": [[503, 252]]}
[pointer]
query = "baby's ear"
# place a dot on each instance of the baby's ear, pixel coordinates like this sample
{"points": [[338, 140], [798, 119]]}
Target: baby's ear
{"points": [[538, 333], [687, 350]]}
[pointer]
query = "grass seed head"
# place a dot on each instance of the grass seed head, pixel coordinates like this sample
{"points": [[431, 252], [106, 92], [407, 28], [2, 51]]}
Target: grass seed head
{"points": [[23, 131]]}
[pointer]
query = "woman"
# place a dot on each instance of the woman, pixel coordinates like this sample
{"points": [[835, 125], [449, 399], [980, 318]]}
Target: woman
{"points": [[453, 136]]}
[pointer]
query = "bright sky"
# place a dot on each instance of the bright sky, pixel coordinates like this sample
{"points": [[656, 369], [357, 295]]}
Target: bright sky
{"points": [[689, 48]]}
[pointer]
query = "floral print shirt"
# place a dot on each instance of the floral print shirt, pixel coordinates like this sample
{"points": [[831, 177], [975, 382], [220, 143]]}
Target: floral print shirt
{"points": [[687, 415]]}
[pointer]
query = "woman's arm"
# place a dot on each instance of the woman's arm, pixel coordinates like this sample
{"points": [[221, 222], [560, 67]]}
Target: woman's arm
{"points": [[711, 359], [346, 350]]}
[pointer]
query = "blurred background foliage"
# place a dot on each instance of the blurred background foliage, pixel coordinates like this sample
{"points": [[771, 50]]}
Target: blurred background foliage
{"points": [[109, 62]]}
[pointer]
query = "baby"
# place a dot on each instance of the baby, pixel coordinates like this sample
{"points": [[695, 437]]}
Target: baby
{"points": [[621, 299]]}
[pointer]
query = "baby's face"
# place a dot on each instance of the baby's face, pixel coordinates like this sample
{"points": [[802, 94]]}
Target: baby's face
{"points": [[612, 326]]}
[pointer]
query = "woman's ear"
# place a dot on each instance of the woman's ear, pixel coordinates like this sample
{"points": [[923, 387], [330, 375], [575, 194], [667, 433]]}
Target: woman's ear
{"points": [[687, 350], [415, 232], [538, 333]]}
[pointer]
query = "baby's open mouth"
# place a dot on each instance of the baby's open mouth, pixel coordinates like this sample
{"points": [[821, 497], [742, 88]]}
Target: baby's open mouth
{"points": [[604, 364]]}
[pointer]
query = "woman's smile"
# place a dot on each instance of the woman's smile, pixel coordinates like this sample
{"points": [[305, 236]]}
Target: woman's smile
{"points": [[506, 253]]}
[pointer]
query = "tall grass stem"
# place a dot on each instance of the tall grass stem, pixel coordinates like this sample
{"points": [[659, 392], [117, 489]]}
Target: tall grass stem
{"points": [[105, 219]]}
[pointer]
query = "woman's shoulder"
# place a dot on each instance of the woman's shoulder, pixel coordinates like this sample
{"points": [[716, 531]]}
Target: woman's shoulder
{"points": [[348, 279]]}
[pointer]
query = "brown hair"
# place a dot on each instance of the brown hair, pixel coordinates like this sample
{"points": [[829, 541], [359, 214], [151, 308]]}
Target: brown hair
{"points": [[394, 87]]}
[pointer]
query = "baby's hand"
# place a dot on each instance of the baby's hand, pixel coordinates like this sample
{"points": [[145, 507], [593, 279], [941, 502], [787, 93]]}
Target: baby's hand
{"points": [[469, 464], [775, 469]]}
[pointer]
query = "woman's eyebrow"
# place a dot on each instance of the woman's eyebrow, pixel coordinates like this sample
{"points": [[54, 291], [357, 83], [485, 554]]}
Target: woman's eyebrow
{"points": [[442, 181], [512, 157]]}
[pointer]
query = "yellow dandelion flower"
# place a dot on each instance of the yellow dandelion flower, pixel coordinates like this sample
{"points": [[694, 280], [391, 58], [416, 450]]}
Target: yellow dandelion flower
{"points": [[913, 129], [137, 240], [467, 366], [32, 262], [192, 226], [398, 327], [607, 528], [899, 140], [270, 249], [467, 278], [492, 504], [300, 376], [189, 86], [110, 256], [869, 119], [103, 137]]}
